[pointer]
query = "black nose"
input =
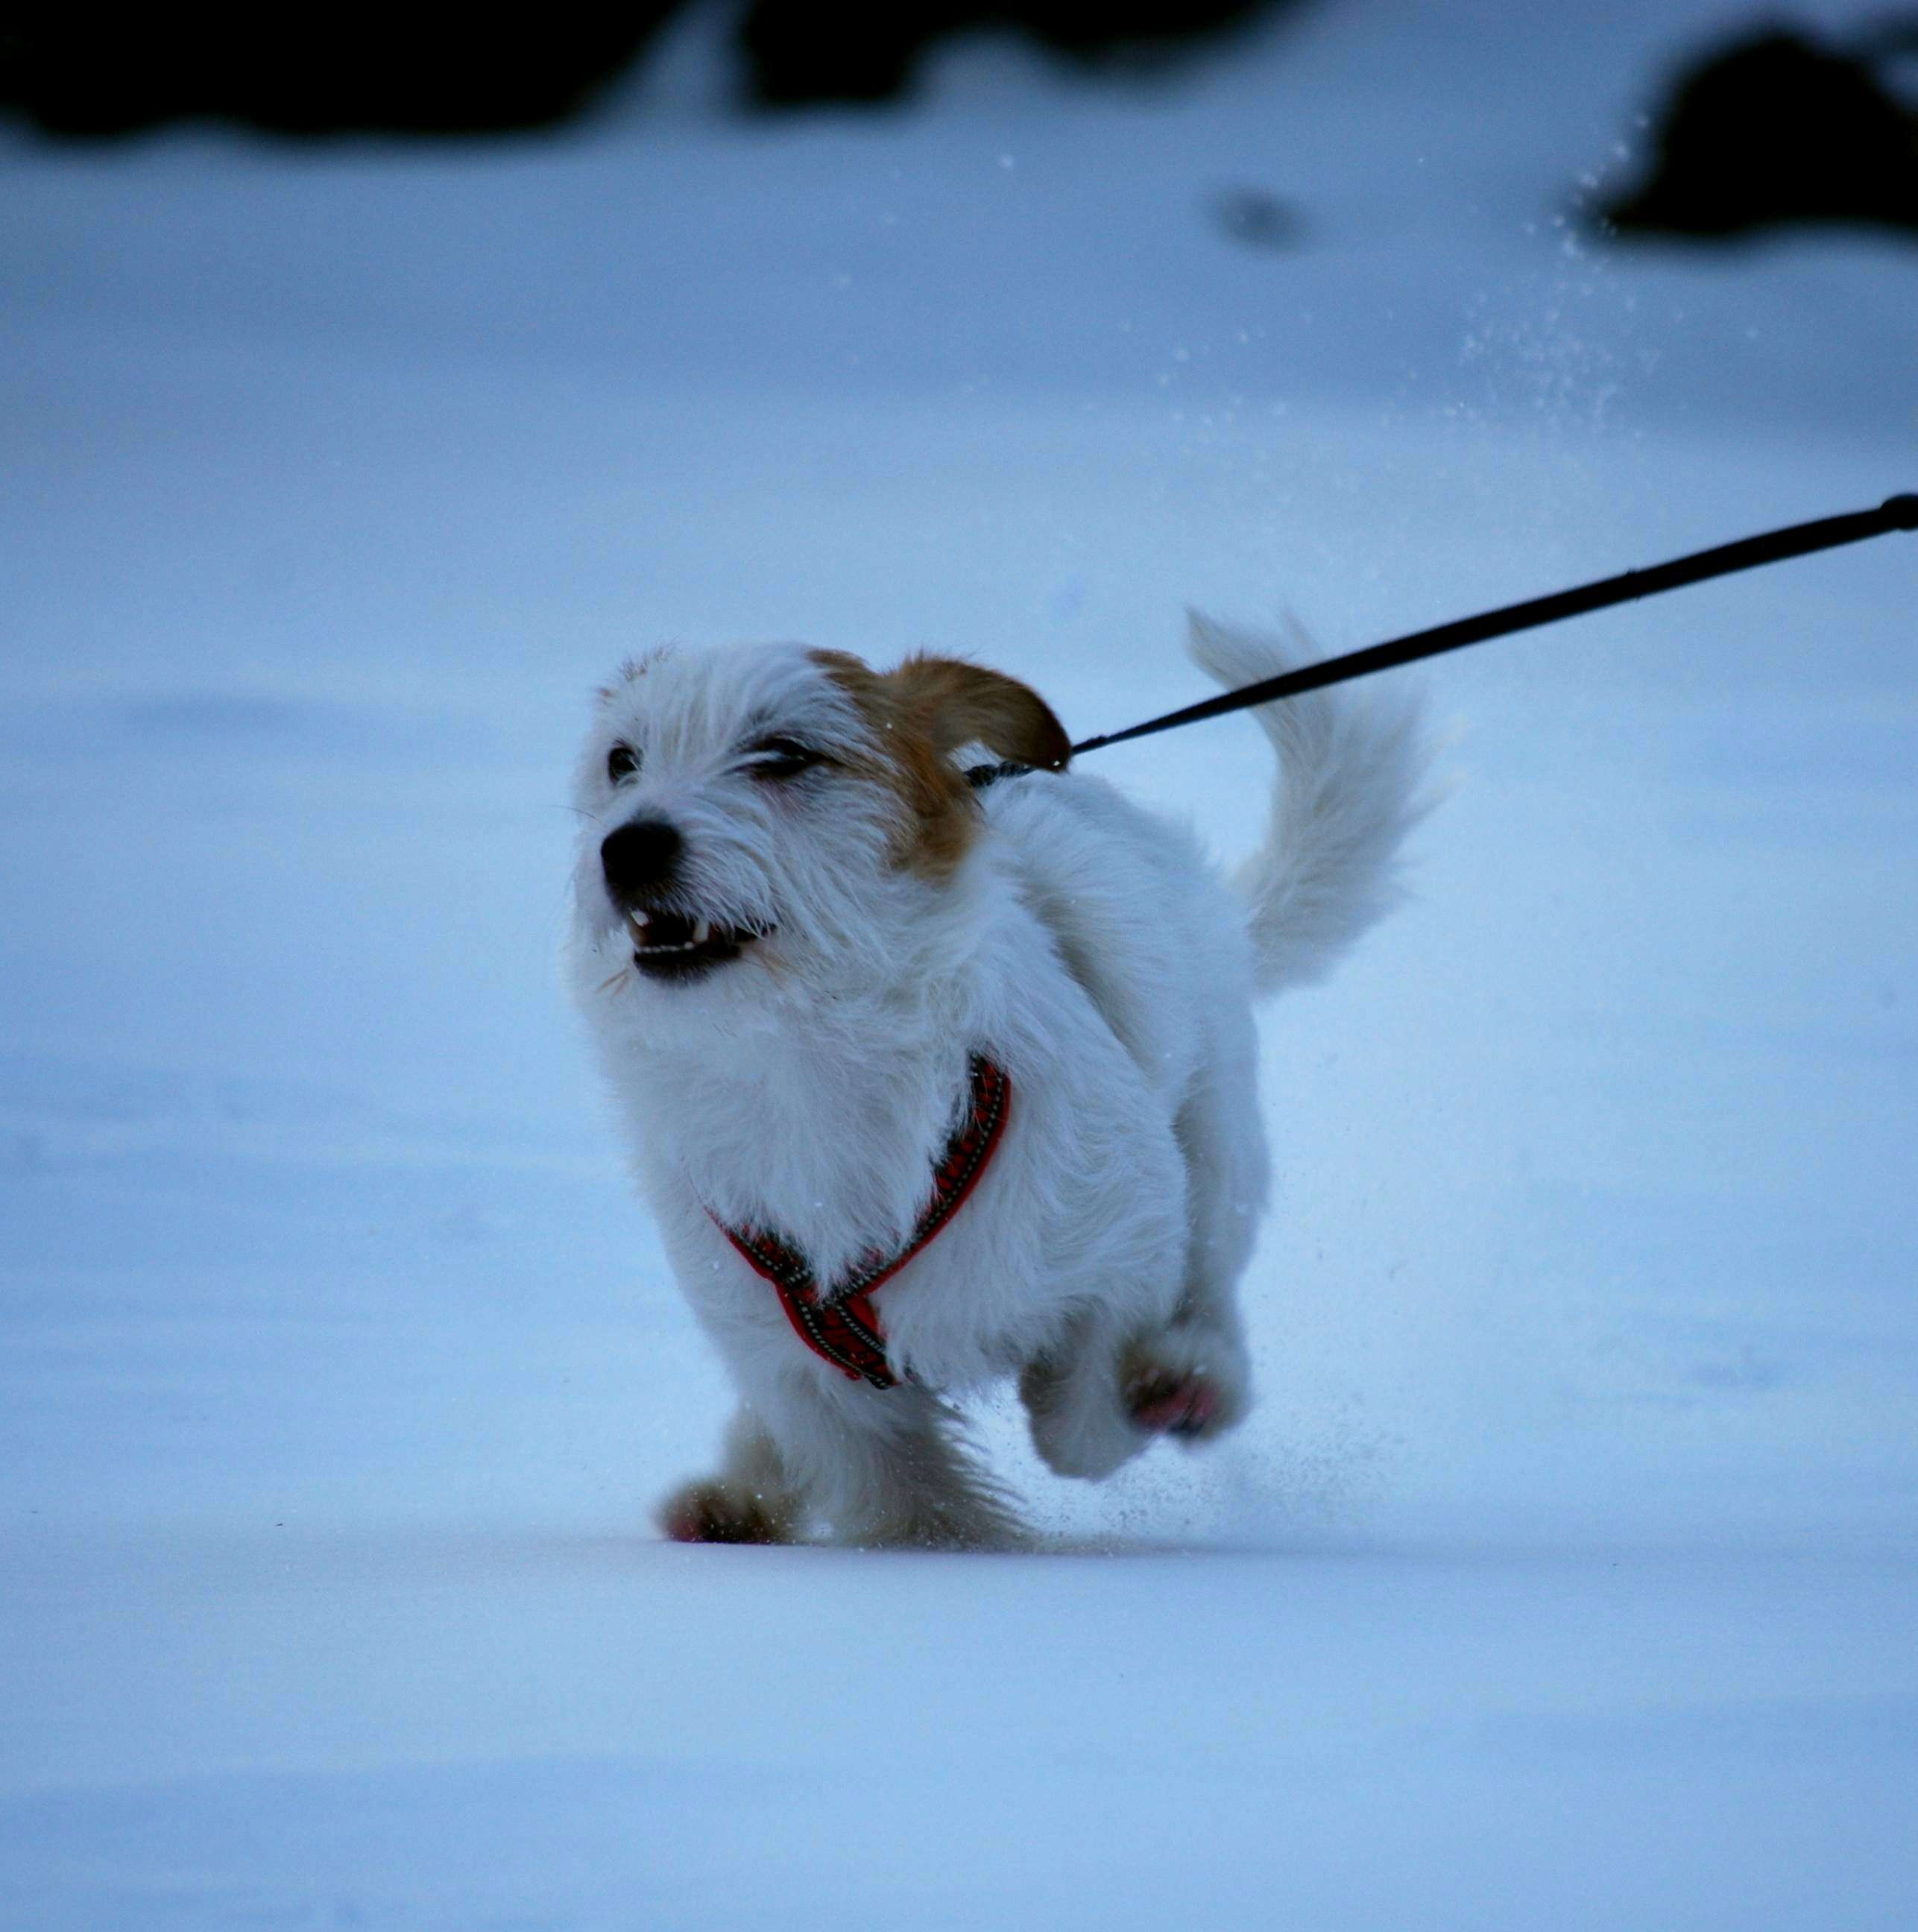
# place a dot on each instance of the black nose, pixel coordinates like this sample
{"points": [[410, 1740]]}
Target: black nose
{"points": [[639, 856]]}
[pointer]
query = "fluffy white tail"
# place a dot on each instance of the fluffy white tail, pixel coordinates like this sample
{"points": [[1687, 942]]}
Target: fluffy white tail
{"points": [[1351, 771]]}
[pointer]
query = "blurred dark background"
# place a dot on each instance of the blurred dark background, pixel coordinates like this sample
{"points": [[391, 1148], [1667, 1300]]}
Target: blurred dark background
{"points": [[1766, 125], [360, 69]]}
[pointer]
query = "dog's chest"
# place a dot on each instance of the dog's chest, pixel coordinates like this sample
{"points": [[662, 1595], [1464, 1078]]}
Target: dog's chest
{"points": [[836, 1161]]}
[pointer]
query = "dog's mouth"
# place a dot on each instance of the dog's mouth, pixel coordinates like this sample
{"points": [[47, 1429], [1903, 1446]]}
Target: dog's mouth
{"points": [[672, 946]]}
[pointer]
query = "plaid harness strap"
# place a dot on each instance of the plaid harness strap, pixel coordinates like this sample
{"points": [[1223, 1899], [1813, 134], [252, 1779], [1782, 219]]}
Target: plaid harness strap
{"points": [[843, 1326]]}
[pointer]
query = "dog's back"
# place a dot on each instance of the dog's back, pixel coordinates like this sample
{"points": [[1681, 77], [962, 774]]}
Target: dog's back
{"points": [[1143, 921]]}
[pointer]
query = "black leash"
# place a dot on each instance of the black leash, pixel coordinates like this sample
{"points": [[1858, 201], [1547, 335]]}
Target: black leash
{"points": [[1895, 513]]}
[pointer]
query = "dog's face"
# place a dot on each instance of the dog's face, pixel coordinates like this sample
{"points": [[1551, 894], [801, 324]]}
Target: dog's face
{"points": [[770, 817]]}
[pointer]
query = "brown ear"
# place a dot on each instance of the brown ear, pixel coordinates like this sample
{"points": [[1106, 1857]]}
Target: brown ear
{"points": [[959, 704]]}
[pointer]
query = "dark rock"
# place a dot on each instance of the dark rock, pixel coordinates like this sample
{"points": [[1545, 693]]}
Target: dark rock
{"points": [[1777, 129], [1256, 218]]}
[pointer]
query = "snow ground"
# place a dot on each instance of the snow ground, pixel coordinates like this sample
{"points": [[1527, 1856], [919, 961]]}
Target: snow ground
{"points": [[1567, 1574]]}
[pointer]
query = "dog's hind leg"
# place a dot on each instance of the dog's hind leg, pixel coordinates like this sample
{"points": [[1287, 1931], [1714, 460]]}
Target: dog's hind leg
{"points": [[879, 1469], [901, 1475], [751, 1499], [874, 1469]]}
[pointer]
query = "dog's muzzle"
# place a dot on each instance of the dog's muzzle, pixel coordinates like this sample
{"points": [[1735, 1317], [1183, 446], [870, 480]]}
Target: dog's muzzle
{"points": [[641, 863]]}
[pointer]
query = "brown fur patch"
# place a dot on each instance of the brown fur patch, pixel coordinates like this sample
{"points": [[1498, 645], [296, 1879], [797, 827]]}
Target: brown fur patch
{"points": [[922, 713], [965, 704]]}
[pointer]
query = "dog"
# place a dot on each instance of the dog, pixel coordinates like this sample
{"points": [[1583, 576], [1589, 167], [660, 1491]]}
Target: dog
{"points": [[937, 1062]]}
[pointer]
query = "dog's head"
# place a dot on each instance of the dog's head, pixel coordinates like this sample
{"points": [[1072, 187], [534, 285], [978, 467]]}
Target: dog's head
{"points": [[770, 816]]}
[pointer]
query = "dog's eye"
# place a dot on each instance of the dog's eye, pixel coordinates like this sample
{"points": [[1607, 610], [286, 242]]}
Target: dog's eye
{"points": [[782, 758], [622, 761]]}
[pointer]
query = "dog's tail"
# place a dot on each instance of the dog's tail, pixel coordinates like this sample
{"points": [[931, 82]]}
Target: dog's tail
{"points": [[1351, 775]]}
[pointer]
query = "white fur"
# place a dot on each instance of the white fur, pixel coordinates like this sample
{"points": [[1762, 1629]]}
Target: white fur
{"points": [[1084, 945]]}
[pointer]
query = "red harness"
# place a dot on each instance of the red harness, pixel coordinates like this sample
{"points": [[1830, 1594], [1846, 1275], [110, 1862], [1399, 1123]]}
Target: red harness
{"points": [[843, 1326]]}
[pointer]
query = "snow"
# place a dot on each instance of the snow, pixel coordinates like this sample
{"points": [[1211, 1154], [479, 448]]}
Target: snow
{"points": [[1566, 1574]]}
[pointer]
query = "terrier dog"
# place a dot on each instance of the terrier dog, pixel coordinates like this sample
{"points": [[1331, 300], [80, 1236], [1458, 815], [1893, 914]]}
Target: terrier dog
{"points": [[937, 1072]]}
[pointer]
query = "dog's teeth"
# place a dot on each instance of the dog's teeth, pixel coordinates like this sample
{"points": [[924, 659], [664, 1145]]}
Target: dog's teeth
{"points": [[639, 922], [702, 931]]}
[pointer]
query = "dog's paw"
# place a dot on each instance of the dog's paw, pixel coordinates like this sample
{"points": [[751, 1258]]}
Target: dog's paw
{"points": [[1077, 1429], [1190, 1386], [713, 1512], [1172, 1405]]}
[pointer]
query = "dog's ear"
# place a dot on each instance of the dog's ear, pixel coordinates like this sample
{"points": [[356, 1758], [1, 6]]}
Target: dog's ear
{"points": [[959, 704]]}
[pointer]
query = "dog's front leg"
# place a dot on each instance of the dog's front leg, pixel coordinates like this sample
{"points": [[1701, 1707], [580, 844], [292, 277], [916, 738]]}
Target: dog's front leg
{"points": [[1071, 1394]]}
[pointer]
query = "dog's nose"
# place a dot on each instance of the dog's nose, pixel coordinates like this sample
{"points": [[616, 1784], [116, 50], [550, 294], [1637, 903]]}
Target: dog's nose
{"points": [[638, 856]]}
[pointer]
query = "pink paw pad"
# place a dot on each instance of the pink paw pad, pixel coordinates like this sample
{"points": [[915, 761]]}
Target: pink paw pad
{"points": [[1174, 1405]]}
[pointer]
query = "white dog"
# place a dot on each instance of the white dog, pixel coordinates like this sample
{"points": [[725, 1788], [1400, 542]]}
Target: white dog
{"points": [[933, 1082]]}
